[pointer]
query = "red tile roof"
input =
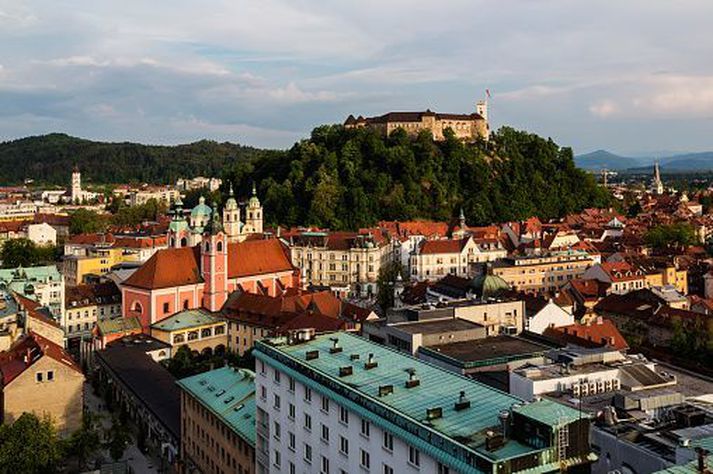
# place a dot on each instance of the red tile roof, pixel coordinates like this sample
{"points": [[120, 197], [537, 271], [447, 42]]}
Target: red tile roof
{"points": [[602, 332], [34, 310], [258, 257], [28, 350], [430, 247]]}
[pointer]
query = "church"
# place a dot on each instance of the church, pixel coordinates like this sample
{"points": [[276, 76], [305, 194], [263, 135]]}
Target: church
{"points": [[208, 258]]}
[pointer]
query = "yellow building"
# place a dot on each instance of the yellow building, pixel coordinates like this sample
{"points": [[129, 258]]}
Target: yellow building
{"points": [[668, 275], [39, 377], [195, 328], [77, 268], [543, 273]]}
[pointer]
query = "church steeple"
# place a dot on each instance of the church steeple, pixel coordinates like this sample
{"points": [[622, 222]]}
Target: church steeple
{"points": [[657, 185], [231, 217]]}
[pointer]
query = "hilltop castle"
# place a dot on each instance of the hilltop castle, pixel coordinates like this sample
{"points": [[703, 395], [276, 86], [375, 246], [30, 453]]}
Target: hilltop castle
{"points": [[465, 126]]}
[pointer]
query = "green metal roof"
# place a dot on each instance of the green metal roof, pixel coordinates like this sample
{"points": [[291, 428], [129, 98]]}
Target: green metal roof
{"points": [[550, 413], [438, 388], [201, 209], [118, 325], [229, 393], [42, 274], [186, 319]]}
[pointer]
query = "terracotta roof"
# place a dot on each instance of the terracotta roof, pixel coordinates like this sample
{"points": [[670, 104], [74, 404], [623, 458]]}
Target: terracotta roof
{"points": [[85, 295], [28, 350], [417, 116], [168, 268], [257, 257], [318, 322], [408, 228], [430, 247], [602, 332], [91, 239], [35, 310]]}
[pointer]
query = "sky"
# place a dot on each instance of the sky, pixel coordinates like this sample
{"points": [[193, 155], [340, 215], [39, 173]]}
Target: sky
{"points": [[630, 76]]}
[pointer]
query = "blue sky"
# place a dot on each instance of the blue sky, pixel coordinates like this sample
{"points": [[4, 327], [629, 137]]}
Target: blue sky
{"points": [[629, 76]]}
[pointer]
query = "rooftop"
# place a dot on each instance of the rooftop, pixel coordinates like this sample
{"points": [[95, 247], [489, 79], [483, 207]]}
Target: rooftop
{"points": [[438, 389], [186, 319], [436, 326], [488, 349], [229, 393]]}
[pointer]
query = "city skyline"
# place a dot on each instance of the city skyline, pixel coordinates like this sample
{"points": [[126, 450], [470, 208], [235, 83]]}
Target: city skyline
{"points": [[622, 76]]}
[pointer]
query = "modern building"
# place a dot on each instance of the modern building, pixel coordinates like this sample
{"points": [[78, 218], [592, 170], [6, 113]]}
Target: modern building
{"points": [[339, 403], [39, 377], [218, 421]]}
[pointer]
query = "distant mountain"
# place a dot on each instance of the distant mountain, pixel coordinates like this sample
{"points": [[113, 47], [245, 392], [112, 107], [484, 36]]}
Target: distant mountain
{"points": [[600, 159], [689, 162]]}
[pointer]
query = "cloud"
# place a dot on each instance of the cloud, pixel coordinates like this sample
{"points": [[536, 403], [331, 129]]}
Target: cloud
{"points": [[604, 108]]}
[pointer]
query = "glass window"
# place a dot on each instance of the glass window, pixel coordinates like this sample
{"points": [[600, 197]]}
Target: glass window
{"points": [[365, 462], [414, 456], [388, 441]]}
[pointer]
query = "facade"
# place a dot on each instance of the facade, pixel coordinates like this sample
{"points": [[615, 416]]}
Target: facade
{"points": [[43, 284], [197, 329], [622, 276], [410, 336], [38, 376], [42, 234], [199, 182], [339, 403], [464, 126], [85, 305], [77, 269], [218, 421], [165, 194], [78, 195], [347, 262], [543, 273], [433, 259], [549, 315]]}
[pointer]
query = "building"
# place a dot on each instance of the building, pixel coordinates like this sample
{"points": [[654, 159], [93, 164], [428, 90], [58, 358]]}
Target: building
{"points": [[218, 421], [543, 313], [199, 182], [203, 276], [42, 234], [161, 194], [621, 276], [148, 393], [657, 185], [38, 376], [433, 259], [339, 403], [77, 195], [85, 305], [597, 333], [347, 262], [543, 273], [196, 329], [464, 126], [405, 237], [43, 284]]}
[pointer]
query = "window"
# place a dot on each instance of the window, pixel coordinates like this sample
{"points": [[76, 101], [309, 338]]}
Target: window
{"points": [[308, 422], [365, 428], [388, 441], [308, 453], [325, 465], [343, 415], [276, 431], [291, 384], [325, 433], [292, 468], [414, 456], [365, 462], [50, 375], [291, 440], [185, 304], [388, 469], [277, 458], [263, 393], [277, 376], [291, 411], [308, 394], [166, 307], [325, 404], [343, 445], [39, 376], [443, 469], [277, 402]]}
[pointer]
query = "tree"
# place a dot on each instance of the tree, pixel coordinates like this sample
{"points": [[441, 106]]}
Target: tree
{"points": [[86, 441], [669, 236], [119, 438], [85, 221], [29, 445], [18, 252], [386, 280]]}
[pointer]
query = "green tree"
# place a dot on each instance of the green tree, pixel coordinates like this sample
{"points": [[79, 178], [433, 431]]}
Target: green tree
{"points": [[85, 221], [86, 441], [29, 445], [119, 438], [670, 236], [385, 282], [19, 252]]}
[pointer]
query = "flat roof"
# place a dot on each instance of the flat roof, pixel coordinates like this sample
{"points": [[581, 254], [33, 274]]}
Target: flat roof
{"points": [[229, 393], [488, 348], [435, 326], [438, 388], [186, 319]]}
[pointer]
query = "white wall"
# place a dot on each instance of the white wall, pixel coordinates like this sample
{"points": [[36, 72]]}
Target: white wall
{"points": [[550, 315]]}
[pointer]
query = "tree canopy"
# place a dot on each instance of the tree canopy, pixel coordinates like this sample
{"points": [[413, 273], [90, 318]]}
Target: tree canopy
{"points": [[25, 253], [29, 445]]}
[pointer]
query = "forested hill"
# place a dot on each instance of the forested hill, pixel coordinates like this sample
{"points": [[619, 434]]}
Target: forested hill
{"points": [[351, 178], [338, 178], [49, 159]]}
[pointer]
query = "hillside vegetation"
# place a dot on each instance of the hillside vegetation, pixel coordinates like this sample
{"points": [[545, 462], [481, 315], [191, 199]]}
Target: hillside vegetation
{"points": [[338, 178], [351, 178]]}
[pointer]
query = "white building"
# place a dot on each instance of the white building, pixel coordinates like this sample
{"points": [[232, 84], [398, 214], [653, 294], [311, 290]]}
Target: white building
{"points": [[434, 259], [42, 234], [338, 404], [550, 315], [76, 193]]}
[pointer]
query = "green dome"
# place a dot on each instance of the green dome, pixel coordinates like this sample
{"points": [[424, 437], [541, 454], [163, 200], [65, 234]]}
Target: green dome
{"points": [[201, 209], [231, 204], [488, 285], [178, 225]]}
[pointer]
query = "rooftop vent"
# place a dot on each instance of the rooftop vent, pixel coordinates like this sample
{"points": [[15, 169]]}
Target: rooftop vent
{"points": [[336, 348], [229, 399], [434, 413], [346, 370], [385, 390], [311, 355], [354, 357], [370, 362], [412, 380], [202, 382], [462, 402], [239, 407], [220, 393]]}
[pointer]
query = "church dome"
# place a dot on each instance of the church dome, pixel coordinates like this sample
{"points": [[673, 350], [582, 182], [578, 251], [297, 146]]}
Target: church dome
{"points": [[488, 285], [231, 204], [254, 201], [201, 210]]}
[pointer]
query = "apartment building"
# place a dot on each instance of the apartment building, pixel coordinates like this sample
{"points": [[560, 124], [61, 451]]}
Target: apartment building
{"points": [[543, 273], [338, 403], [433, 259]]}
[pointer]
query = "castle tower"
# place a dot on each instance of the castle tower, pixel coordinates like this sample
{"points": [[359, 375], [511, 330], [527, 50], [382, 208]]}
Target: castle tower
{"points": [[231, 217], [214, 263], [657, 185], [481, 108], [76, 191], [178, 228], [253, 218]]}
